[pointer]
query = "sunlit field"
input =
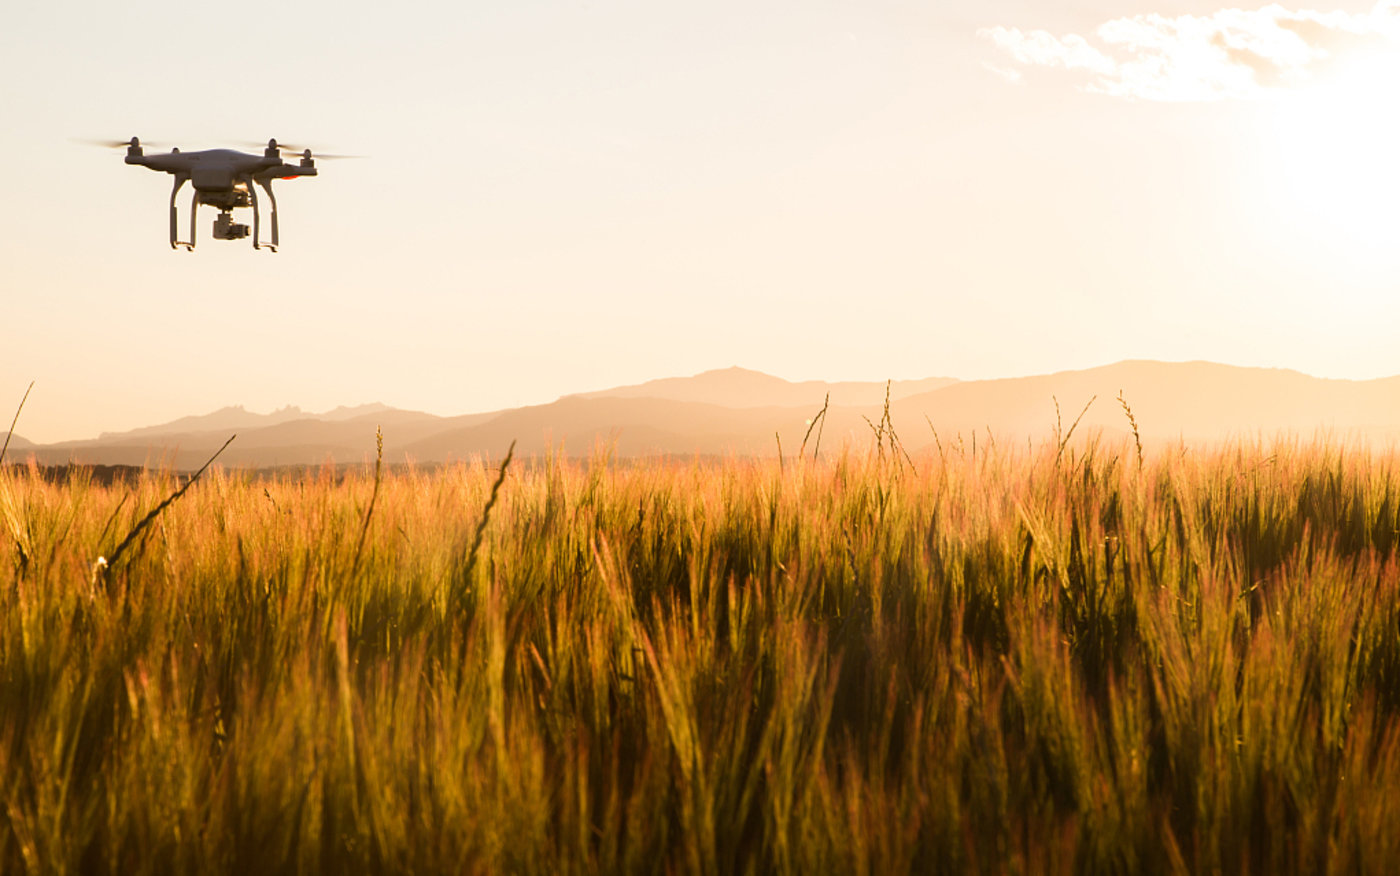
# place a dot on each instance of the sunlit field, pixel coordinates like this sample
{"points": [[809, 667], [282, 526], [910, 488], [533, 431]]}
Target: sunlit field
{"points": [[1064, 659]]}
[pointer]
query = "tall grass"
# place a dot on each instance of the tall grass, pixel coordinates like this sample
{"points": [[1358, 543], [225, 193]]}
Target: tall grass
{"points": [[1063, 660]]}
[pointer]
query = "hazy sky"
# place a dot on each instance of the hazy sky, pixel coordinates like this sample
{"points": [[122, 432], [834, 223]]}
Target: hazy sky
{"points": [[565, 196]]}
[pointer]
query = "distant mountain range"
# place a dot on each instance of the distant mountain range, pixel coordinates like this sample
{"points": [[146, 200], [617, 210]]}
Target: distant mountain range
{"points": [[16, 442], [742, 388], [737, 411], [236, 417]]}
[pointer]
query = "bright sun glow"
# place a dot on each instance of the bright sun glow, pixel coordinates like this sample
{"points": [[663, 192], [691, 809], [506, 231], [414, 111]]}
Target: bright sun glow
{"points": [[1338, 145]]}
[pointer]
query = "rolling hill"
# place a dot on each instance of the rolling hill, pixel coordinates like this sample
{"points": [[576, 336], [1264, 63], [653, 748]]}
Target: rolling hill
{"points": [[737, 411], [1192, 401], [741, 388], [16, 442], [235, 418]]}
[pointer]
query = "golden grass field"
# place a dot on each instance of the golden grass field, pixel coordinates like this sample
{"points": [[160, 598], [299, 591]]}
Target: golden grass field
{"points": [[1071, 659]]}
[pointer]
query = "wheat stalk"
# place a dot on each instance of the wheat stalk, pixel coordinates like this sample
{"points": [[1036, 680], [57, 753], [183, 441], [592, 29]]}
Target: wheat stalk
{"points": [[369, 512], [811, 424], [486, 517], [1132, 421], [1065, 440], [103, 563], [10, 434]]}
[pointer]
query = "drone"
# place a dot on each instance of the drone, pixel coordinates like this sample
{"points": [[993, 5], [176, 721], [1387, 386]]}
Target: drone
{"points": [[227, 180]]}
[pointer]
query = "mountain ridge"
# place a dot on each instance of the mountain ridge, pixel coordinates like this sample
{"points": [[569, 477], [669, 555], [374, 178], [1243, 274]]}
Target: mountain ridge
{"points": [[15, 441], [238, 417], [680, 416], [743, 387]]}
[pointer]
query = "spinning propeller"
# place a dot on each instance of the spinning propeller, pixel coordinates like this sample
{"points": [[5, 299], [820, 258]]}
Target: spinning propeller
{"points": [[306, 151]]}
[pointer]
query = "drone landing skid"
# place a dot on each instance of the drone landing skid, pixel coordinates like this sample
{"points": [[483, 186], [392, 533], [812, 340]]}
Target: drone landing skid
{"points": [[224, 226], [175, 242], [257, 214]]}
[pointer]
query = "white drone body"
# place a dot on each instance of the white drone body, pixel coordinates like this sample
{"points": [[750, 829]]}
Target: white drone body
{"points": [[225, 179]]}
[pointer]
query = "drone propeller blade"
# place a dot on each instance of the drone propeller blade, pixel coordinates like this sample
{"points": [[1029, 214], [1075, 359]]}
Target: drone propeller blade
{"points": [[119, 144], [300, 149], [109, 144]]}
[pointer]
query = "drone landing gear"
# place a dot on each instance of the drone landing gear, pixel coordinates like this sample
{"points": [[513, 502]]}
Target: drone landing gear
{"points": [[175, 242], [224, 227], [272, 206]]}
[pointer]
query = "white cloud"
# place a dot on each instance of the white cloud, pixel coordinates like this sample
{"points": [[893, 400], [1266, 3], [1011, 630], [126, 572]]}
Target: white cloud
{"points": [[1039, 48], [1230, 54], [1010, 74]]}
